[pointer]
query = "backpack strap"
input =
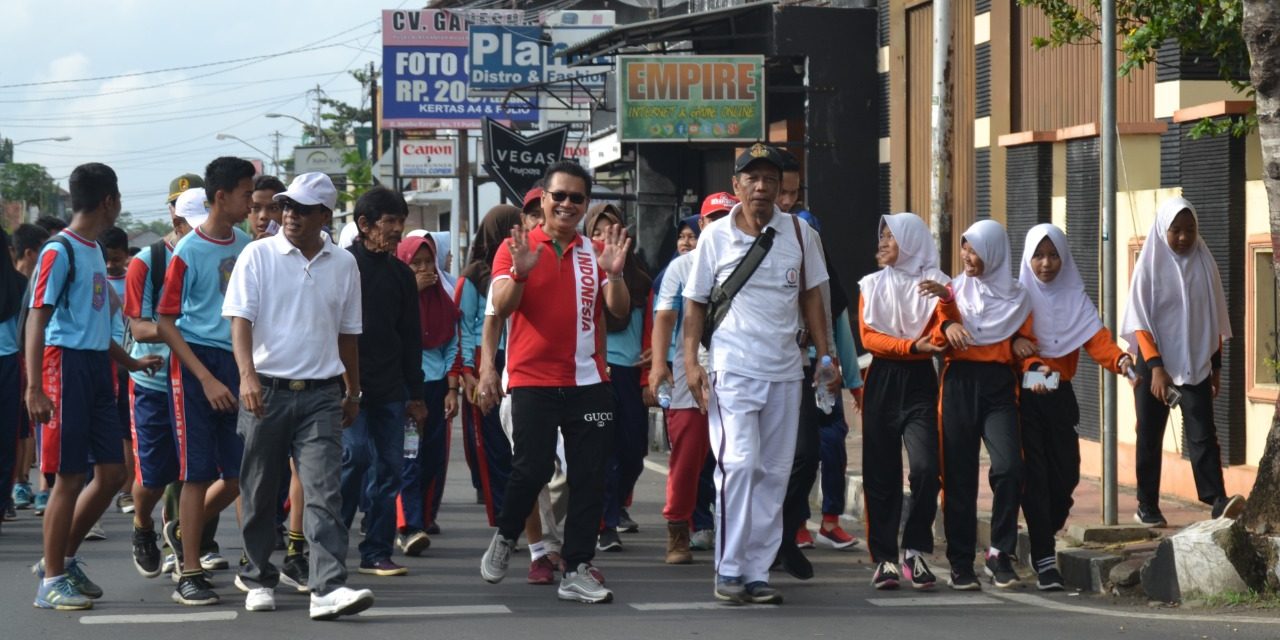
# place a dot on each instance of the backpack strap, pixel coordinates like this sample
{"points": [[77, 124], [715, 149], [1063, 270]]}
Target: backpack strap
{"points": [[158, 266]]}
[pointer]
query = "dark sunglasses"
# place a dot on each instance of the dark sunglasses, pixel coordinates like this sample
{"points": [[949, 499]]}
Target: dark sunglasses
{"points": [[301, 209], [559, 196]]}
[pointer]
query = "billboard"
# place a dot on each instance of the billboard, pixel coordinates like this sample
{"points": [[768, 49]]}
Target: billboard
{"points": [[317, 159], [516, 161], [427, 158], [424, 70], [505, 57], [567, 28], [684, 98]]}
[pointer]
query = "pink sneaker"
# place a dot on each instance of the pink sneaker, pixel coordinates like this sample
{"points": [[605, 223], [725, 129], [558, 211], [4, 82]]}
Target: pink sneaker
{"points": [[541, 571]]}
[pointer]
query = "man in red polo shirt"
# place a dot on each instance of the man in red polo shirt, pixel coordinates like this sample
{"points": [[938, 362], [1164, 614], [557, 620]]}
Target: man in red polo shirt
{"points": [[550, 282]]}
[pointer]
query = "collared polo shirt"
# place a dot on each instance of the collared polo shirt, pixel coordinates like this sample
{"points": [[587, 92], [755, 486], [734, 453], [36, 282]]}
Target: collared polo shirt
{"points": [[297, 307], [557, 335], [757, 338]]}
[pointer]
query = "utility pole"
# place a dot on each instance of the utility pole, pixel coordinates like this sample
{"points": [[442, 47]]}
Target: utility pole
{"points": [[1109, 141], [373, 116], [275, 151], [463, 193], [941, 198]]}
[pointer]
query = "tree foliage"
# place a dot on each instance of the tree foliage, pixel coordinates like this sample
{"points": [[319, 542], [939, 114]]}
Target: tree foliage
{"points": [[27, 182], [341, 121], [1205, 29]]}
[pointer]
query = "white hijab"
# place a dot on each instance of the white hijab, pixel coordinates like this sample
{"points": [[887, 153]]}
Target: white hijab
{"points": [[993, 305], [1064, 316], [890, 302], [1178, 299]]}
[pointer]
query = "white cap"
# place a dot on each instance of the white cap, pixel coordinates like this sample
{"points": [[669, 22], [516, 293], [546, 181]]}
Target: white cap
{"points": [[348, 235], [192, 206], [311, 188]]}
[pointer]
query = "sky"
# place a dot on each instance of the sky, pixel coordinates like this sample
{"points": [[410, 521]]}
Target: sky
{"points": [[135, 102]]}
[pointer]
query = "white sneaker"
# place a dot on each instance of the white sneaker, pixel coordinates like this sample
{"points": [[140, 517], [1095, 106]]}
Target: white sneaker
{"points": [[342, 601], [213, 561], [260, 599]]}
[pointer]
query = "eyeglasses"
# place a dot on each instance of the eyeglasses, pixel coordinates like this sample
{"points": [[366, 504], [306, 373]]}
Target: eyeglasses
{"points": [[559, 196], [302, 209]]}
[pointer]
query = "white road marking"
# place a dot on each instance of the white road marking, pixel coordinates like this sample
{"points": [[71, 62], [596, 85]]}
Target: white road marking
{"points": [[694, 606], [160, 618], [461, 610], [1045, 603], [653, 466], [933, 601]]}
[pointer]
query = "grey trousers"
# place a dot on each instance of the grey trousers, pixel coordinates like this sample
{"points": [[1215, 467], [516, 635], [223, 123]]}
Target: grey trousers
{"points": [[306, 425]]}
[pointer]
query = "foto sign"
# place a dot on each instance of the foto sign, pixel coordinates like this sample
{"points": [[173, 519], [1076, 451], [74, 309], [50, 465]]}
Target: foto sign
{"points": [[424, 70], [427, 158], [681, 98], [505, 57]]}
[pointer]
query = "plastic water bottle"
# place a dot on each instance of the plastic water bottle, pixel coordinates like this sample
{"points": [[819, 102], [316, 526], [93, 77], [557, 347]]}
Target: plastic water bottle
{"points": [[825, 374], [664, 394], [410, 439]]}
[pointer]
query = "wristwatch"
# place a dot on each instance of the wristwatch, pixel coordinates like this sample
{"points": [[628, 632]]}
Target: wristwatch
{"points": [[350, 399]]}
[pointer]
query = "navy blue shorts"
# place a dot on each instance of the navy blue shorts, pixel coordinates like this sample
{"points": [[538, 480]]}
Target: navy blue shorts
{"points": [[155, 449], [85, 428], [208, 445]]}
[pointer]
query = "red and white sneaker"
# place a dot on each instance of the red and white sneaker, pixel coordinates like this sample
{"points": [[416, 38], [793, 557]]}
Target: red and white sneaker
{"points": [[837, 537], [804, 539]]}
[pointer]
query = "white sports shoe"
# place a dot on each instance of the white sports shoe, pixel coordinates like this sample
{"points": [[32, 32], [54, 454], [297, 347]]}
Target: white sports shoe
{"points": [[260, 599], [342, 601]]}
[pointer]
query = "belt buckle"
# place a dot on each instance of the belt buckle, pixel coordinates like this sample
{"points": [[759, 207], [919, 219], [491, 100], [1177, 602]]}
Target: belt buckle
{"points": [[297, 385]]}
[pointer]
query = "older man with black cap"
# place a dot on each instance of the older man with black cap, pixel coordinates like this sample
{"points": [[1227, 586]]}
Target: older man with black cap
{"points": [[294, 304], [755, 274]]}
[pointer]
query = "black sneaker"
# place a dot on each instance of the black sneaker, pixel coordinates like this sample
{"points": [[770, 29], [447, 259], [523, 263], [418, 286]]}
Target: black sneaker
{"points": [[964, 579], [146, 555], [1228, 507], [1049, 580], [194, 590], [886, 576], [1150, 516], [626, 524], [609, 540], [1000, 569], [173, 538], [295, 573], [917, 572]]}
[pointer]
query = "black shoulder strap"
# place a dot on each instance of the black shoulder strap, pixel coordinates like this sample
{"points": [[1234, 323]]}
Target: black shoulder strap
{"points": [[722, 295], [750, 262], [158, 266], [31, 286]]}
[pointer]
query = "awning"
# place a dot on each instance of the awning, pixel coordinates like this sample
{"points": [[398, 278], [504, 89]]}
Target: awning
{"points": [[695, 27]]}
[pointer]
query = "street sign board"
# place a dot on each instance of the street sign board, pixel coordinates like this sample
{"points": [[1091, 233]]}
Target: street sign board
{"points": [[516, 162], [317, 159], [683, 98], [424, 70], [569, 28], [428, 158], [504, 57]]}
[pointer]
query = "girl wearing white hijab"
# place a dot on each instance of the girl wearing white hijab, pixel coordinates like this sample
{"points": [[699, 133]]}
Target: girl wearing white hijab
{"points": [[900, 402], [984, 312], [1065, 320], [1177, 317]]}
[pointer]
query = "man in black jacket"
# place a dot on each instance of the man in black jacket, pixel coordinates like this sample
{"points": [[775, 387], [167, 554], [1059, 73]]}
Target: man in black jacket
{"points": [[390, 374]]}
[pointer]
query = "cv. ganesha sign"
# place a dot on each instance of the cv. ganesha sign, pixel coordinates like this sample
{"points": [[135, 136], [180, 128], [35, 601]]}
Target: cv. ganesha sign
{"points": [[671, 99]]}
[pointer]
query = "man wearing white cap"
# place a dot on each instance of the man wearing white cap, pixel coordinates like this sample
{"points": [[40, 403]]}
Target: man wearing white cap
{"points": [[292, 376]]}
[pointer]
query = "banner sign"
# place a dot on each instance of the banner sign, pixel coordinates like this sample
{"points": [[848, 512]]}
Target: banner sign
{"points": [[516, 162], [424, 71], [317, 159], [569, 28], [505, 57], [683, 98], [428, 158]]}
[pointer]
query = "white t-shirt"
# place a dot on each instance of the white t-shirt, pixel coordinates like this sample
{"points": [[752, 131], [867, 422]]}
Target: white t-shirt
{"points": [[297, 307], [757, 338], [668, 299]]}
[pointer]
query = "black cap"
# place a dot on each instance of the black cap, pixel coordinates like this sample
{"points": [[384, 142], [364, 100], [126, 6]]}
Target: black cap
{"points": [[759, 151]]}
